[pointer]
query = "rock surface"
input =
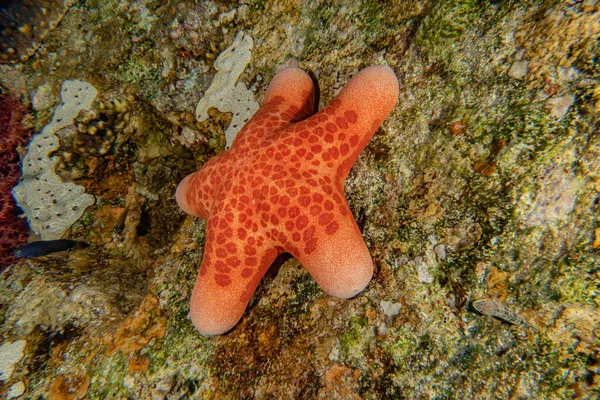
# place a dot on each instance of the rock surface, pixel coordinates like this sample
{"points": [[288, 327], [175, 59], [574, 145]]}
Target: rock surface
{"points": [[482, 186]]}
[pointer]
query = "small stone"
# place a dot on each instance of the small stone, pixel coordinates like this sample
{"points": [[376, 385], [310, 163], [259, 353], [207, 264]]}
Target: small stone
{"points": [[518, 70], [129, 382], [459, 128], [451, 300], [16, 390], [390, 309], [226, 18], [560, 105], [334, 354], [480, 269], [43, 98], [440, 251], [588, 5], [166, 69], [423, 271], [596, 243]]}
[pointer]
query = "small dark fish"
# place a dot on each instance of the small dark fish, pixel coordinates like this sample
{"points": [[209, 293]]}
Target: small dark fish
{"points": [[43, 247], [120, 225]]}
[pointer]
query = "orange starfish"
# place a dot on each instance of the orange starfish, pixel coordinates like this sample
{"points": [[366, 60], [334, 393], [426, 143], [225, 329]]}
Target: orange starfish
{"points": [[280, 188]]}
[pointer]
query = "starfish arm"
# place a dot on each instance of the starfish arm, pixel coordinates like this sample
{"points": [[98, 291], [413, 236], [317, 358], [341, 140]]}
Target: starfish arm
{"points": [[289, 98], [339, 262], [196, 192], [230, 272], [342, 129], [316, 226], [297, 89]]}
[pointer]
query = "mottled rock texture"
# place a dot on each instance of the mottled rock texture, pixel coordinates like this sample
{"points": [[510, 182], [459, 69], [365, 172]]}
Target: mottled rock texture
{"points": [[25, 23], [481, 185]]}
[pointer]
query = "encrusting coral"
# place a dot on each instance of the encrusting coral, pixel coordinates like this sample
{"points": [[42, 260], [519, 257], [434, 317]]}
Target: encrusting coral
{"points": [[280, 188]]}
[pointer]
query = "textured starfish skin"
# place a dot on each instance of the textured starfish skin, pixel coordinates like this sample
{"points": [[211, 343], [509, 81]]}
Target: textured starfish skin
{"points": [[280, 188]]}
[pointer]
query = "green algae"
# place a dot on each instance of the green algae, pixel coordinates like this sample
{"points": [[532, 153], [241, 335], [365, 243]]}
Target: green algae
{"points": [[399, 345], [353, 341], [448, 21], [318, 20], [479, 359], [139, 67], [108, 373], [305, 291], [180, 344]]}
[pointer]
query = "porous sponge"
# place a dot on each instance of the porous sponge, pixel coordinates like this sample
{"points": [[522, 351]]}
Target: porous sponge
{"points": [[51, 205], [225, 93]]}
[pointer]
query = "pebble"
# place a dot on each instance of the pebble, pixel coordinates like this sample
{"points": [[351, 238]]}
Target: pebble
{"points": [[423, 273], [518, 70], [43, 98], [560, 105], [334, 354], [227, 17], [390, 309], [129, 382], [440, 251], [16, 390], [10, 355]]}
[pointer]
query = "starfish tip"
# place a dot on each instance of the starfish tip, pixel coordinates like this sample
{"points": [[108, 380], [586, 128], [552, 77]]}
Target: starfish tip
{"points": [[211, 328], [381, 80], [181, 195]]}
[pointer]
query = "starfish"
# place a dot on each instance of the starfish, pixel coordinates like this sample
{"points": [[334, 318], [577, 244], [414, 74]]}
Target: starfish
{"points": [[280, 188]]}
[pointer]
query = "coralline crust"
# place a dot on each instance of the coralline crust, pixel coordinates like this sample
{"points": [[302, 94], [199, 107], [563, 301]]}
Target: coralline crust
{"points": [[559, 37], [10, 355]]}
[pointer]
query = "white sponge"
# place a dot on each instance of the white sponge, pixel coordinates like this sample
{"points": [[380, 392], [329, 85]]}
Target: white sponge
{"points": [[51, 205], [225, 93]]}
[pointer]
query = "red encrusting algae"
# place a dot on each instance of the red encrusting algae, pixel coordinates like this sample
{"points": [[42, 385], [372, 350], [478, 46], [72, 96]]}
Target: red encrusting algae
{"points": [[13, 229]]}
